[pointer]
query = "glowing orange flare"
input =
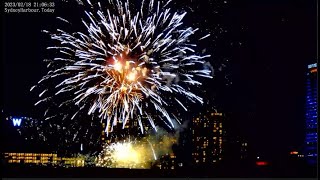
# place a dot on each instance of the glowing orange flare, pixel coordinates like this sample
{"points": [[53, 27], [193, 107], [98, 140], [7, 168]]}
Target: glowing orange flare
{"points": [[294, 152], [313, 70]]}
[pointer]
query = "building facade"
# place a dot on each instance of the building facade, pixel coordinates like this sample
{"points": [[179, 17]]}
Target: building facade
{"points": [[207, 138], [311, 115], [42, 159], [167, 161]]}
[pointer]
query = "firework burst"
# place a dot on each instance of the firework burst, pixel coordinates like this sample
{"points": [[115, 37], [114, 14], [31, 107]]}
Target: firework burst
{"points": [[127, 154], [128, 65], [136, 154]]}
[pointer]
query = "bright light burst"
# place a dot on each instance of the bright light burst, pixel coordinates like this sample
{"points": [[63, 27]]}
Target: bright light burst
{"points": [[138, 153], [129, 64], [127, 154]]}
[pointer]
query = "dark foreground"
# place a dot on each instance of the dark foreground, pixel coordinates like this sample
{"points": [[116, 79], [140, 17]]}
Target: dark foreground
{"points": [[140, 173]]}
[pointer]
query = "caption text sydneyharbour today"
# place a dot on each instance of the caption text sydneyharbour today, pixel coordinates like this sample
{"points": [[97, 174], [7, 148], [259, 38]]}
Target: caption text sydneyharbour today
{"points": [[29, 10]]}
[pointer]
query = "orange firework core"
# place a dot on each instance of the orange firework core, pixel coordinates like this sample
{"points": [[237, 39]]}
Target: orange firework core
{"points": [[128, 69], [127, 73]]}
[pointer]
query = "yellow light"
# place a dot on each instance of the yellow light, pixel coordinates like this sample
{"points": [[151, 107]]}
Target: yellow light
{"points": [[123, 88], [131, 76], [117, 66], [127, 65], [144, 71], [126, 154]]}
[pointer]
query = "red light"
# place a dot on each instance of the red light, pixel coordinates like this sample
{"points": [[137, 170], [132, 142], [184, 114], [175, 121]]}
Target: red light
{"points": [[261, 163]]}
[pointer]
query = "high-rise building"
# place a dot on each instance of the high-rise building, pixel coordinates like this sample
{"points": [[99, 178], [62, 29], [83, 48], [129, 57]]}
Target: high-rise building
{"points": [[244, 150], [163, 148], [311, 115], [207, 137], [167, 161]]}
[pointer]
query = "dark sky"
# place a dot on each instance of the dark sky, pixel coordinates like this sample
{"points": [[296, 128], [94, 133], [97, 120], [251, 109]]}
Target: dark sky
{"points": [[269, 71], [268, 44]]}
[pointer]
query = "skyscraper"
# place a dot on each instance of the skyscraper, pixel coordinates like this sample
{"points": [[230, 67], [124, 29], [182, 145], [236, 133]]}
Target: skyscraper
{"points": [[311, 115], [207, 138]]}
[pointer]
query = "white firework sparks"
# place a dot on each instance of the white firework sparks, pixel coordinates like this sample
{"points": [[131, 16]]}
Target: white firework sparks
{"points": [[128, 64]]}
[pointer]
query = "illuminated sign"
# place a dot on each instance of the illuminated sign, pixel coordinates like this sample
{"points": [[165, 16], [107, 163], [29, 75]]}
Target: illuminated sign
{"points": [[312, 65], [16, 121]]}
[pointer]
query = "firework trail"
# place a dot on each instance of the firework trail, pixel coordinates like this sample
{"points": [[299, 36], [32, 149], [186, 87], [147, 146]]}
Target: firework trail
{"points": [[153, 152], [128, 65]]}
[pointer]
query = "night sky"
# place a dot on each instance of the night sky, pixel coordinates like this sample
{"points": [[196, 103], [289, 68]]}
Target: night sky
{"points": [[268, 44]]}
